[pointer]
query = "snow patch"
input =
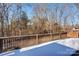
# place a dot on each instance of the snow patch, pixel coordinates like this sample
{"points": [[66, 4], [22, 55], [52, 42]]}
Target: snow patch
{"points": [[70, 42]]}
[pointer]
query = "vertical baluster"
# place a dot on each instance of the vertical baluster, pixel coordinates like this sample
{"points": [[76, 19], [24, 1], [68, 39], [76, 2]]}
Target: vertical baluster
{"points": [[1, 45], [37, 39], [60, 35], [5, 44], [9, 43], [23, 41], [12, 41], [20, 42], [15, 42]]}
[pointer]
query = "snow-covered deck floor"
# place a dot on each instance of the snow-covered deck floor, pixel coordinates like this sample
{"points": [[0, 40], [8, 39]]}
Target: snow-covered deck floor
{"points": [[62, 47]]}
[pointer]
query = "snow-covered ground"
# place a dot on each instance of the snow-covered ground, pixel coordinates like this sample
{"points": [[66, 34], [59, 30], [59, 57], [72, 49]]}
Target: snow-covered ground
{"points": [[69, 42]]}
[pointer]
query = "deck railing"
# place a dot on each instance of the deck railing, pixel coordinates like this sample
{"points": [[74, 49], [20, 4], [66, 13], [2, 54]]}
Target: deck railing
{"points": [[16, 42]]}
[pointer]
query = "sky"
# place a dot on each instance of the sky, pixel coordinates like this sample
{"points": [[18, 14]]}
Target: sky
{"points": [[28, 8], [71, 8]]}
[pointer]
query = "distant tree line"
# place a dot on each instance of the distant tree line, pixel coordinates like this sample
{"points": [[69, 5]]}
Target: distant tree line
{"points": [[46, 19]]}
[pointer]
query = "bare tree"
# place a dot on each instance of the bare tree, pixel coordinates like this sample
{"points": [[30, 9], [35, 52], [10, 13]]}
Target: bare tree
{"points": [[3, 15], [40, 12]]}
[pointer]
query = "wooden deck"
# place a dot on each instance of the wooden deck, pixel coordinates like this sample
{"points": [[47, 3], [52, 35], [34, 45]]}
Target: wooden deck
{"points": [[16, 42]]}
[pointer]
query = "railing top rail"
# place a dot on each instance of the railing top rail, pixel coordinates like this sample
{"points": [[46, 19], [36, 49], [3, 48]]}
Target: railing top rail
{"points": [[31, 35]]}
